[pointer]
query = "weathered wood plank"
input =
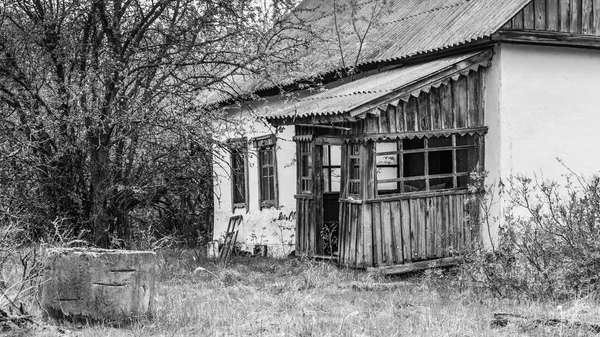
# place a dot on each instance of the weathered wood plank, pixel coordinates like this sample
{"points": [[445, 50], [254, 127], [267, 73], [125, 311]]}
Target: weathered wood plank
{"points": [[406, 230], [540, 14], [391, 118], [446, 221], [587, 16], [377, 235], [410, 267], [596, 17], [360, 237], [434, 107], [414, 229], [424, 112], [446, 106], [353, 229], [411, 114], [440, 228], [383, 124], [529, 16], [517, 21], [460, 102], [460, 222], [367, 236], [397, 229], [564, 13], [575, 16], [387, 233], [430, 223], [552, 16], [473, 99], [401, 117], [424, 244]]}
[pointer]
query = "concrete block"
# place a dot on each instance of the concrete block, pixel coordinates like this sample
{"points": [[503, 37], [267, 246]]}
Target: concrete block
{"points": [[98, 285]]}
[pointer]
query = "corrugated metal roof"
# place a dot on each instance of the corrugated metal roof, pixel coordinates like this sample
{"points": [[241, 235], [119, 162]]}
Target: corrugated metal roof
{"points": [[349, 97], [402, 29]]}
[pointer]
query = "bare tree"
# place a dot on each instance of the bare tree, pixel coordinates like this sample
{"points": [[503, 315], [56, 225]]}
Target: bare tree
{"points": [[100, 121]]}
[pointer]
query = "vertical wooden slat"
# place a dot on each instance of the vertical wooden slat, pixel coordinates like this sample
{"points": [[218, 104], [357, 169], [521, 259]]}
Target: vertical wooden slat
{"points": [[383, 125], [410, 110], [518, 21], [552, 16], [387, 233], [401, 116], [575, 16], [367, 235], [360, 238], [377, 235], [414, 229], [348, 235], [540, 14], [529, 16], [472, 99], [424, 113], [318, 197], [298, 224], [397, 229], [440, 228], [446, 106], [429, 223], [596, 17], [352, 246], [459, 222], [406, 230], [391, 118], [586, 16], [564, 8], [434, 107], [460, 102], [424, 231]]}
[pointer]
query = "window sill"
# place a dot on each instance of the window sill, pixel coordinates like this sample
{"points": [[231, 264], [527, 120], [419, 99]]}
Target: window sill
{"points": [[351, 201], [418, 195], [303, 196]]}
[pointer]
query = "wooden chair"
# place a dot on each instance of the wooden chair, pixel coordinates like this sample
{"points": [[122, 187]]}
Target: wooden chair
{"points": [[230, 238]]}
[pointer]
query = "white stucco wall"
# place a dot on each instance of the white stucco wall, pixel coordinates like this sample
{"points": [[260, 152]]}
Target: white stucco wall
{"points": [[274, 227], [542, 104]]}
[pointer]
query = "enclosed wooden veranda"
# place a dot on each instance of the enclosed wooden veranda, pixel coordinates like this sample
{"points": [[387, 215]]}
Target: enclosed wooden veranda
{"points": [[384, 164]]}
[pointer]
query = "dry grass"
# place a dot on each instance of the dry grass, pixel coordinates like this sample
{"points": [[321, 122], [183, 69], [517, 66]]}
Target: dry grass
{"points": [[298, 297]]}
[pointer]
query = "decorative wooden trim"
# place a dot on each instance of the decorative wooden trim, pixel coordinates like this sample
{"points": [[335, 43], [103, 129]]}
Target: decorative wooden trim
{"points": [[547, 38], [418, 134], [351, 201], [303, 196], [416, 195], [415, 266]]}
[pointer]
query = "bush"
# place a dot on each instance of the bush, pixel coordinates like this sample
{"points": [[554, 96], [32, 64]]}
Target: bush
{"points": [[548, 245]]}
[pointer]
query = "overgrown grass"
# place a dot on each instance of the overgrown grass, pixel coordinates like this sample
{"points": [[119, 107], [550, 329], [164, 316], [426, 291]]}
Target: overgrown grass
{"points": [[299, 297]]}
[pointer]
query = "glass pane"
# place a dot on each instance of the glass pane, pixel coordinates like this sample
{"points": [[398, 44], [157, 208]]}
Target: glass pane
{"points": [[463, 181], [465, 140], [440, 184], [440, 162], [305, 166], [265, 172], [325, 155], [387, 188], [466, 160], [271, 188], [264, 192], [412, 144], [336, 155], [326, 180], [386, 147], [414, 186], [335, 179], [354, 187], [354, 149], [440, 141], [414, 164], [389, 159], [385, 173], [270, 171]]}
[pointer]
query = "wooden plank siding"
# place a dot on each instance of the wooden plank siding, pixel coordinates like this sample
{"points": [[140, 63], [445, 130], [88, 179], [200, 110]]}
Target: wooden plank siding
{"points": [[454, 105], [565, 16], [408, 230]]}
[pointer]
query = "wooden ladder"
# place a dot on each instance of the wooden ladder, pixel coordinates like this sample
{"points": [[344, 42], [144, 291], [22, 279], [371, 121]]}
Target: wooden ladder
{"points": [[230, 239]]}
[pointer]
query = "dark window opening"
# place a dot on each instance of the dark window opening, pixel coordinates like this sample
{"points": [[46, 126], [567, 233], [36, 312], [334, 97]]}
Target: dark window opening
{"points": [[427, 164], [239, 167], [267, 166]]}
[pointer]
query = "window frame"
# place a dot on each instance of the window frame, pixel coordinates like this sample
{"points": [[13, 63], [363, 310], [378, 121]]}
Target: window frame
{"points": [[305, 152], [400, 153], [239, 146], [262, 145]]}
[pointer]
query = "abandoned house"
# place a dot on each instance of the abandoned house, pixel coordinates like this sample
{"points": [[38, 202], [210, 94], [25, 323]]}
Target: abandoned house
{"points": [[373, 170]]}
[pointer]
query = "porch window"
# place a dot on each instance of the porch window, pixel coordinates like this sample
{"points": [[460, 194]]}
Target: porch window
{"points": [[426, 164], [354, 169], [239, 168], [332, 165], [306, 167], [267, 170]]}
